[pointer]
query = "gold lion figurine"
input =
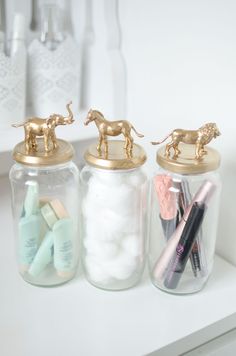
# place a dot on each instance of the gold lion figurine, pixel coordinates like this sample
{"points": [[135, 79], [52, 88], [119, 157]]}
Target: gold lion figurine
{"points": [[200, 138], [111, 128], [36, 126]]}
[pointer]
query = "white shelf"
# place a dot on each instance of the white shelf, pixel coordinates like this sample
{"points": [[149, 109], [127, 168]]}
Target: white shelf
{"points": [[78, 319], [74, 132]]}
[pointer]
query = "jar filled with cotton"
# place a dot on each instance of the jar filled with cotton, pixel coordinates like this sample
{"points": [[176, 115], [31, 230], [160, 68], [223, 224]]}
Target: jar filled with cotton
{"points": [[114, 215]]}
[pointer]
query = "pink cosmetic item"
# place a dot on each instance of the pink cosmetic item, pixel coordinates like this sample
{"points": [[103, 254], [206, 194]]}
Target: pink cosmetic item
{"points": [[168, 204], [203, 195]]}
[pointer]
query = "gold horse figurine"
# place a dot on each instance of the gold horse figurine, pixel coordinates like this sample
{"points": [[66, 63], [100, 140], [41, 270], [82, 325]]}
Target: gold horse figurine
{"points": [[36, 126], [200, 138], [111, 128]]}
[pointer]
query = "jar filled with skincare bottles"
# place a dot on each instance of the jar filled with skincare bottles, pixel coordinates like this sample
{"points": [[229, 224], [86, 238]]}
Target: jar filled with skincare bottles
{"points": [[113, 207], [185, 197], [44, 183]]}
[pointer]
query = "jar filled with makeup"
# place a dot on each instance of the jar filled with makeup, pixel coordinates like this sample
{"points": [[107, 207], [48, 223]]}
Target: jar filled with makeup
{"points": [[114, 208], [184, 206], [44, 183]]}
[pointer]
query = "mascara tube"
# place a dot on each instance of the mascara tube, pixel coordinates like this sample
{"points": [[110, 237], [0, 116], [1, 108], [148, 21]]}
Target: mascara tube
{"points": [[184, 199], [184, 247]]}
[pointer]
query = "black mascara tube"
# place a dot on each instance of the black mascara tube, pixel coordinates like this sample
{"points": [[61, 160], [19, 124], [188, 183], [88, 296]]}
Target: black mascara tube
{"points": [[169, 226], [184, 247]]}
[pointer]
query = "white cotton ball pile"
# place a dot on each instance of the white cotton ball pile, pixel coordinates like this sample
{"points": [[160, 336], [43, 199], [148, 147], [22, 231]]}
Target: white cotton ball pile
{"points": [[112, 240], [132, 244], [120, 198], [109, 178], [96, 271], [121, 267], [136, 180], [103, 250]]}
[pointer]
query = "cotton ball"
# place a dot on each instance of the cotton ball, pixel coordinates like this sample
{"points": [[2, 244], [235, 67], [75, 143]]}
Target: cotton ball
{"points": [[96, 271], [133, 227], [109, 226], [136, 179], [88, 207], [121, 199], [132, 245], [109, 178], [93, 229], [112, 225], [103, 227], [102, 250], [125, 200], [122, 267], [98, 192]]}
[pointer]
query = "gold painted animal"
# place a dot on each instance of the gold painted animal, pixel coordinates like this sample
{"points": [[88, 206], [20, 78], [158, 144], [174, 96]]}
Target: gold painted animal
{"points": [[36, 126], [111, 128], [200, 138]]}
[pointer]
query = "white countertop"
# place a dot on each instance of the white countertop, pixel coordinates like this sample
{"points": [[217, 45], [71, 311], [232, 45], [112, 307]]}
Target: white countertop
{"points": [[79, 319]]}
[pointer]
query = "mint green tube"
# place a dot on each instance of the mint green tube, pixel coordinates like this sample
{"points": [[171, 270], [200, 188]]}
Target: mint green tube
{"points": [[29, 234], [63, 245], [44, 255], [31, 203]]}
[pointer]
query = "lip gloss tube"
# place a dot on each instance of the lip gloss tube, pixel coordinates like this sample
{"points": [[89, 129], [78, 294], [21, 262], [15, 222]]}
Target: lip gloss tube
{"points": [[203, 195], [184, 247]]}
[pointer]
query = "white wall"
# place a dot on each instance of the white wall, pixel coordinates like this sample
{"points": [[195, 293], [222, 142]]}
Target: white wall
{"points": [[181, 67]]}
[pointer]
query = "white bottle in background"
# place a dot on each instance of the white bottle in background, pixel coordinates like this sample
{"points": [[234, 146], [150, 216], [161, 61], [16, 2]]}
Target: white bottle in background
{"points": [[13, 75], [18, 35], [1, 41], [51, 30], [54, 66], [2, 26]]}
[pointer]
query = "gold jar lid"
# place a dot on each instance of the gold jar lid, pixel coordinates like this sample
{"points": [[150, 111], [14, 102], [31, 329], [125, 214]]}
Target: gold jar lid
{"points": [[186, 162], [117, 157], [64, 152]]}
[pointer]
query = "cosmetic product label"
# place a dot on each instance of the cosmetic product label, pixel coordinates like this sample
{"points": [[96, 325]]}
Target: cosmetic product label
{"points": [[29, 233], [43, 256], [63, 245], [184, 247]]}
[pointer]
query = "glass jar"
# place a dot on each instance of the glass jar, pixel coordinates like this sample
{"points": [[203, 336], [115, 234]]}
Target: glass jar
{"points": [[114, 216], [185, 197], [45, 212]]}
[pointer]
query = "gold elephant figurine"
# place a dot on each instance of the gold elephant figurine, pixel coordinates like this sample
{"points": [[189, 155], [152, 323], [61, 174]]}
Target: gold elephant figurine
{"points": [[36, 126], [199, 138]]}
